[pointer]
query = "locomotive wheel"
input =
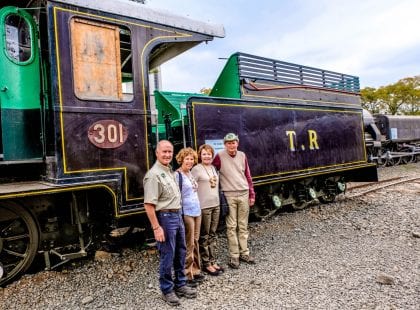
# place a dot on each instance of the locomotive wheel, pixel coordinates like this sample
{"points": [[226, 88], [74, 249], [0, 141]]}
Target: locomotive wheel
{"points": [[299, 205], [19, 241], [263, 208], [395, 161], [407, 159], [327, 198]]}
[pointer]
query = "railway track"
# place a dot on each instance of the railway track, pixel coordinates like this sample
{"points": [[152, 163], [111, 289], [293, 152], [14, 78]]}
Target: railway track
{"points": [[363, 189]]}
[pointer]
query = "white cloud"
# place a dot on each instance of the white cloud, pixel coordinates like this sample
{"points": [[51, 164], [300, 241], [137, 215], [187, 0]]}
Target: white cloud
{"points": [[378, 41]]}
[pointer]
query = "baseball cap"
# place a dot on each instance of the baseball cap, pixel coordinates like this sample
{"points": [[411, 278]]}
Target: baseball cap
{"points": [[230, 137]]}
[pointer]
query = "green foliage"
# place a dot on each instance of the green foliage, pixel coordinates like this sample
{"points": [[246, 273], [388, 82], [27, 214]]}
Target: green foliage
{"points": [[205, 91], [402, 97]]}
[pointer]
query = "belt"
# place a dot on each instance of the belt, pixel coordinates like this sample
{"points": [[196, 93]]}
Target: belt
{"points": [[169, 210]]}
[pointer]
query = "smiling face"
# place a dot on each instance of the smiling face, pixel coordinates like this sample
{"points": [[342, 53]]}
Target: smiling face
{"points": [[206, 157], [187, 163], [164, 152], [231, 147]]}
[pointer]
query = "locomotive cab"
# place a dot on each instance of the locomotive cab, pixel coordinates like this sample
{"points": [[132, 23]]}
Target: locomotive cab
{"points": [[76, 121]]}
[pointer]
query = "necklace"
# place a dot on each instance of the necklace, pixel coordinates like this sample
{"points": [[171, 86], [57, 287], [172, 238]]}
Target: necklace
{"points": [[212, 178], [190, 177]]}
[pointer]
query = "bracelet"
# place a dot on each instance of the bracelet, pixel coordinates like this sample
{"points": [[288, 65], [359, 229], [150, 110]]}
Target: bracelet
{"points": [[156, 228]]}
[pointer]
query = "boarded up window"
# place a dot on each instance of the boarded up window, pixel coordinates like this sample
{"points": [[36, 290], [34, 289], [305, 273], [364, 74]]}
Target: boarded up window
{"points": [[96, 60]]}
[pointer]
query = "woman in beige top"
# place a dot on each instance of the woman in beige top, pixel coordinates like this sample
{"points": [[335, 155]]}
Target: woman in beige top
{"points": [[208, 194]]}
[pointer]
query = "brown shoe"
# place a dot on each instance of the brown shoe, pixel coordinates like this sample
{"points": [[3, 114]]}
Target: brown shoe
{"points": [[234, 262], [247, 259], [171, 299], [186, 291]]}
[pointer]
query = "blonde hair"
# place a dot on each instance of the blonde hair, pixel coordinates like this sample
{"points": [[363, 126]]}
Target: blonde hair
{"points": [[184, 153], [206, 147]]}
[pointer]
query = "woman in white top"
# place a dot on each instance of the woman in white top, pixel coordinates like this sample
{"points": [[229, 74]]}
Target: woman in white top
{"points": [[187, 157], [208, 193]]}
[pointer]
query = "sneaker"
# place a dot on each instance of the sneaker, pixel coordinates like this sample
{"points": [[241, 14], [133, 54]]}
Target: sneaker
{"points": [[234, 262], [247, 259], [186, 291], [171, 299]]}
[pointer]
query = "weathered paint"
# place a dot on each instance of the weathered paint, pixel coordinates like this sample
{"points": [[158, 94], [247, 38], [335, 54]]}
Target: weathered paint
{"points": [[282, 140], [19, 89]]}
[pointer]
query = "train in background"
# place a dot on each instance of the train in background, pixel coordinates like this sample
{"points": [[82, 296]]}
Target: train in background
{"points": [[79, 123], [392, 139]]}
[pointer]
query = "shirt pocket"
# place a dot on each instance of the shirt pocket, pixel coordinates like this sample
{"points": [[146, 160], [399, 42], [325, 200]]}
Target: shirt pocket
{"points": [[167, 190]]}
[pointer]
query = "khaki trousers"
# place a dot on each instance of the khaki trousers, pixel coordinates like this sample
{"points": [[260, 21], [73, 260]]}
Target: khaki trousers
{"points": [[237, 224], [208, 238], [192, 235]]}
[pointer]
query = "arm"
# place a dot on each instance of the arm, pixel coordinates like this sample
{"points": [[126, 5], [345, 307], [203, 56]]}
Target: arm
{"points": [[217, 163], [157, 230], [250, 185]]}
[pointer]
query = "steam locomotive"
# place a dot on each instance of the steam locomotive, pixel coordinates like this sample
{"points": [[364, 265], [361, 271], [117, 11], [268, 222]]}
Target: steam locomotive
{"points": [[392, 139], [79, 123]]}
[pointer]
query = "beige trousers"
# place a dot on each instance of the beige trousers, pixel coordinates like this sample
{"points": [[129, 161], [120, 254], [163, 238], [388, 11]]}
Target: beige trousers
{"points": [[192, 235], [237, 224], [208, 238]]}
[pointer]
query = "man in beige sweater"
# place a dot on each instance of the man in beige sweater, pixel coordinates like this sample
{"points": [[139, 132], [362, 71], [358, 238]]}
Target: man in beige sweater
{"points": [[236, 183]]}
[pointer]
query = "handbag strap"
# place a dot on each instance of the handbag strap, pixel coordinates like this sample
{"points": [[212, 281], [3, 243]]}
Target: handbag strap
{"points": [[180, 189]]}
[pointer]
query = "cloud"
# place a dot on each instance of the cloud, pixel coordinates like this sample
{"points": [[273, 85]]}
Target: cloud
{"points": [[376, 40]]}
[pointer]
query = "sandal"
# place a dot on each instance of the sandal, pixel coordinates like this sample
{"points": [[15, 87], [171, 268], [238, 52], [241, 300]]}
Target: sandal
{"points": [[211, 271], [219, 268]]}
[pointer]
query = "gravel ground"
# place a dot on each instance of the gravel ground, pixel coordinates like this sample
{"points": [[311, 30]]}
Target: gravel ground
{"points": [[359, 253]]}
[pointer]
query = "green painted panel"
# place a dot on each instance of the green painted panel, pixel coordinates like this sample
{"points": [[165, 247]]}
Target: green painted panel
{"points": [[228, 82], [19, 60], [20, 85]]}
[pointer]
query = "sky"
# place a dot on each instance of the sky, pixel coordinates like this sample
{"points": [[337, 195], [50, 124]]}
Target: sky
{"points": [[376, 40]]}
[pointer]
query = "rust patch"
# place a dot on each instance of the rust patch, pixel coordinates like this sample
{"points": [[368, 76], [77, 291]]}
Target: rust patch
{"points": [[96, 60]]}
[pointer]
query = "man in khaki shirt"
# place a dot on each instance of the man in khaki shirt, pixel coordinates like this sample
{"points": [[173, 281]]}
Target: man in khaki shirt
{"points": [[162, 201]]}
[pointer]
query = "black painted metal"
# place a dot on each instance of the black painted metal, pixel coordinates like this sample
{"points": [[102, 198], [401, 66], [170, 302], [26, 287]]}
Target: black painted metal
{"points": [[283, 140]]}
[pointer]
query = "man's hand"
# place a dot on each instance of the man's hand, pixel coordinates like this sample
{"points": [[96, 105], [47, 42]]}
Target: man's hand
{"points": [[159, 234], [251, 202]]}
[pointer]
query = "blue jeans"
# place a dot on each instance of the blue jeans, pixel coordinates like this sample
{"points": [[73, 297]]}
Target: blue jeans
{"points": [[172, 252]]}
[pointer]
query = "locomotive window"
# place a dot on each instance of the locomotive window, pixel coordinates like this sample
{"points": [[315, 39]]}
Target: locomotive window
{"points": [[18, 38], [101, 56]]}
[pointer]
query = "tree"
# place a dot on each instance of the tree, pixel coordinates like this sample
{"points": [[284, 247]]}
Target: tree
{"points": [[402, 97], [411, 95], [370, 100], [205, 91]]}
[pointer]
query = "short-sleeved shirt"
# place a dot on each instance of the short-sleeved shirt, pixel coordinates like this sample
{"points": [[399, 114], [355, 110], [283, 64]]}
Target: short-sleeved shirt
{"points": [[160, 188]]}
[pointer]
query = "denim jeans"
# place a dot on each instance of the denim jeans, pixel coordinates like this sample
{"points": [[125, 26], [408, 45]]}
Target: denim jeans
{"points": [[172, 252]]}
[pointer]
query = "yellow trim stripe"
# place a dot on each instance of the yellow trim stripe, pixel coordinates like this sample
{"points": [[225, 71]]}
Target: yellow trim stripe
{"points": [[59, 86], [314, 174], [60, 190], [194, 103]]}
